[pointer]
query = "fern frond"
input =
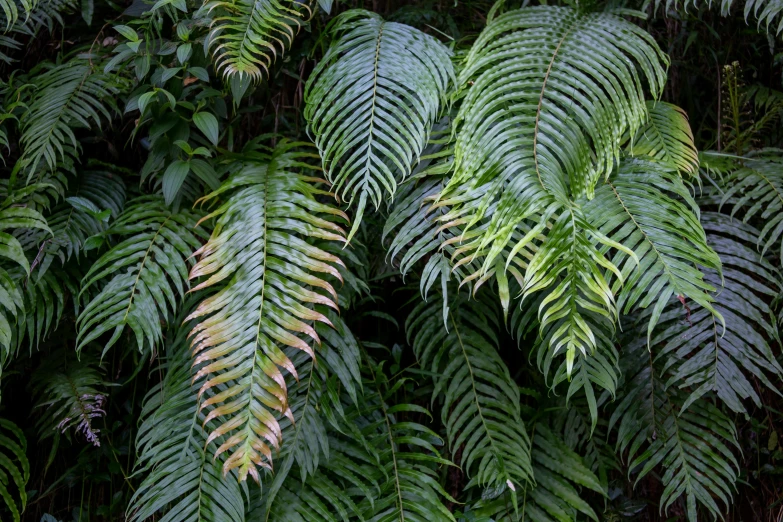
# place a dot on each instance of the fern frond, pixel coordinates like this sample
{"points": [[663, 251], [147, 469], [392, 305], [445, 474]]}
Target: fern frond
{"points": [[406, 453], [693, 445], [555, 496], [548, 94], [181, 479], [14, 468], [481, 408], [371, 103], [246, 36], [698, 353], [755, 193], [272, 278], [143, 278], [69, 396], [646, 207], [667, 137], [68, 96]]}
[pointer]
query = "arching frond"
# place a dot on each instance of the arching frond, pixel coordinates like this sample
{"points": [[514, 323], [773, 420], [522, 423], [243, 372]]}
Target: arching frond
{"points": [[14, 468], [69, 396], [246, 36], [755, 193], [698, 353], [271, 279], [11, 9], [560, 473], [68, 96], [693, 445], [667, 137], [371, 104], [646, 207], [481, 409], [143, 278], [548, 94], [181, 480]]}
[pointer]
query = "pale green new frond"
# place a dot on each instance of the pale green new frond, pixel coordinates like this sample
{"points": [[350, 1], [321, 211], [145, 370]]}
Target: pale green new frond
{"points": [[598, 368], [755, 193], [646, 207], [371, 103], [549, 93], [571, 264], [667, 137], [246, 36], [143, 278], [481, 408], [69, 397], [698, 354], [692, 446], [69, 96], [766, 11], [181, 481], [560, 475], [14, 469], [271, 277]]}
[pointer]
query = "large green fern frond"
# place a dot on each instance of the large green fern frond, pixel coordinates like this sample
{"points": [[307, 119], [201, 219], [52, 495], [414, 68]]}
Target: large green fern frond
{"points": [[271, 278], [667, 137], [548, 94], [372, 102], [246, 36], [143, 278], [755, 193], [181, 480], [698, 353], [560, 474], [481, 408], [646, 207]]}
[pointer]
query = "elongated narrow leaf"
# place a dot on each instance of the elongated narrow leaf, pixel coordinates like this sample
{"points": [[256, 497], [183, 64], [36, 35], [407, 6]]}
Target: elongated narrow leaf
{"points": [[371, 104], [667, 137], [14, 468]]}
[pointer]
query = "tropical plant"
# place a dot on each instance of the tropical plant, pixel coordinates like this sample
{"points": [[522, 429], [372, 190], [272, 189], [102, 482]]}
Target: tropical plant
{"points": [[415, 262]]}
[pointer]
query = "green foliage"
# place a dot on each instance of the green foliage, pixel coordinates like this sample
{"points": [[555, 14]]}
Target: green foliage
{"points": [[560, 313], [371, 104]]}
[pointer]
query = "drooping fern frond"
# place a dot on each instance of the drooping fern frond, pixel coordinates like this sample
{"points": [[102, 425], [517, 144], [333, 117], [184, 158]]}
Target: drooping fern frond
{"points": [[560, 474], [698, 354], [271, 279], [181, 480], [371, 103], [143, 278], [69, 397], [481, 408], [754, 192], [548, 94], [246, 36], [68, 96], [14, 468], [692, 446], [667, 137], [645, 206]]}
